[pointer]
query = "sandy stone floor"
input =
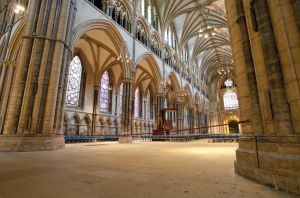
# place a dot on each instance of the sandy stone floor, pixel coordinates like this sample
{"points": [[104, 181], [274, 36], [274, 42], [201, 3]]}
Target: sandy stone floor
{"points": [[139, 170]]}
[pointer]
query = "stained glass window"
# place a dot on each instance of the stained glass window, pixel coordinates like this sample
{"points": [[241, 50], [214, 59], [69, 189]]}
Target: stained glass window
{"points": [[104, 93], [148, 106], [74, 82], [230, 100], [143, 7], [137, 103], [149, 13], [121, 98], [169, 36], [228, 82]]}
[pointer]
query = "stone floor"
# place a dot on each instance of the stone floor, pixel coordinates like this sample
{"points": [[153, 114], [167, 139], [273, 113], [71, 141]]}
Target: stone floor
{"points": [[139, 170]]}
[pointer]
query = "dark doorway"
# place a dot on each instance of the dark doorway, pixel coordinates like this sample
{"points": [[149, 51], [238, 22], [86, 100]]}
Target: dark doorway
{"points": [[233, 126]]}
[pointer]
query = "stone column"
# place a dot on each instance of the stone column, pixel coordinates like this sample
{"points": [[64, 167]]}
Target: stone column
{"points": [[287, 36], [95, 109], [278, 97], [270, 158], [191, 119], [256, 117], [31, 108], [12, 116], [6, 93], [296, 6], [127, 110], [198, 121], [180, 115], [160, 105]]}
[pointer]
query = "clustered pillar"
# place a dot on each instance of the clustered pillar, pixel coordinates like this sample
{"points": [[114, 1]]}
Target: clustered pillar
{"points": [[265, 40], [278, 98], [160, 106], [180, 115], [256, 118], [191, 119], [127, 110], [35, 107]]}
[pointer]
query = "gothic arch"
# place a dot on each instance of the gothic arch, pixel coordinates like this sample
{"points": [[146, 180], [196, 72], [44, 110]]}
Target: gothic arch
{"points": [[16, 42], [76, 117], [143, 23], [111, 31], [148, 65], [127, 7]]}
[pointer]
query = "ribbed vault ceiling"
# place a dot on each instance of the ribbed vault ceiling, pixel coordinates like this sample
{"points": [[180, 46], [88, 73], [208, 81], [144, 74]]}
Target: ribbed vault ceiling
{"points": [[187, 17]]}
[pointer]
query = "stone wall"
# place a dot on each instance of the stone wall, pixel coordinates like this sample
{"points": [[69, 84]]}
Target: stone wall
{"points": [[265, 37]]}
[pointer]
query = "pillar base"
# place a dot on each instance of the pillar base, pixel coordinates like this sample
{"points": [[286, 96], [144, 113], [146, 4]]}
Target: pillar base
{"points": [[270, 160], [125, 140], [26, 143]]}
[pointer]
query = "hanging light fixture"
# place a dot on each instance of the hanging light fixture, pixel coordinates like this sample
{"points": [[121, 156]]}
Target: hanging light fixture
{"points": [[207, 30], [123, 56], [19, 9], [224, 65]]}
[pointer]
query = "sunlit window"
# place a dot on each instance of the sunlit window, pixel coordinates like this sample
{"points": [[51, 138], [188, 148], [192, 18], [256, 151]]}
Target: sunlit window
{"points": [[74, 82], [169, 36], [104, 93], [230, 100], [148, 105], [228, 82], [149, 14], [137, 103], [143, 7]]}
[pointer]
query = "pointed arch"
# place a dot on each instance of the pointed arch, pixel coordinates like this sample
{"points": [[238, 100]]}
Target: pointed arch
{"points": [[115, 36], [74, 83], [147, 61], [87, 119], [15, 42], [75, 117]]}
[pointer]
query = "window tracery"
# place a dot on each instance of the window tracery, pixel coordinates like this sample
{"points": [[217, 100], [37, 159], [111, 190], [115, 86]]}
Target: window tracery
{"points": [[122, 16], [141, 34], [149, 105], [137, 103], [230, 100], [155, 45], [104, 97], [74, 83]]}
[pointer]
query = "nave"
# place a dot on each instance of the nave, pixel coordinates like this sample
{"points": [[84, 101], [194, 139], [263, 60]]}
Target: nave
{"points": [[153, 169]]}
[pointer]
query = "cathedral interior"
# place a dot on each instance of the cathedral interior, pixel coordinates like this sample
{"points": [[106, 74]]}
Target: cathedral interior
{"points": [[168, 88]]}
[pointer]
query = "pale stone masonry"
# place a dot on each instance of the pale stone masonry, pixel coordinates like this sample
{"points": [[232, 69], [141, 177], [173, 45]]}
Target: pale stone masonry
{"points": [[269, 155], [172, 59]]}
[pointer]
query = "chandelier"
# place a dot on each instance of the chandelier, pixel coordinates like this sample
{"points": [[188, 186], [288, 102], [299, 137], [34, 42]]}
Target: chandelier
{"points": [[123, 56], [18, 9], [207, 31], [223, 70], [225, 63]]}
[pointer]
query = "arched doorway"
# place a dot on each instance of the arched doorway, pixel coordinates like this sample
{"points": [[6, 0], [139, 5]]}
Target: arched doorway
{"points": [[233, 126]]}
